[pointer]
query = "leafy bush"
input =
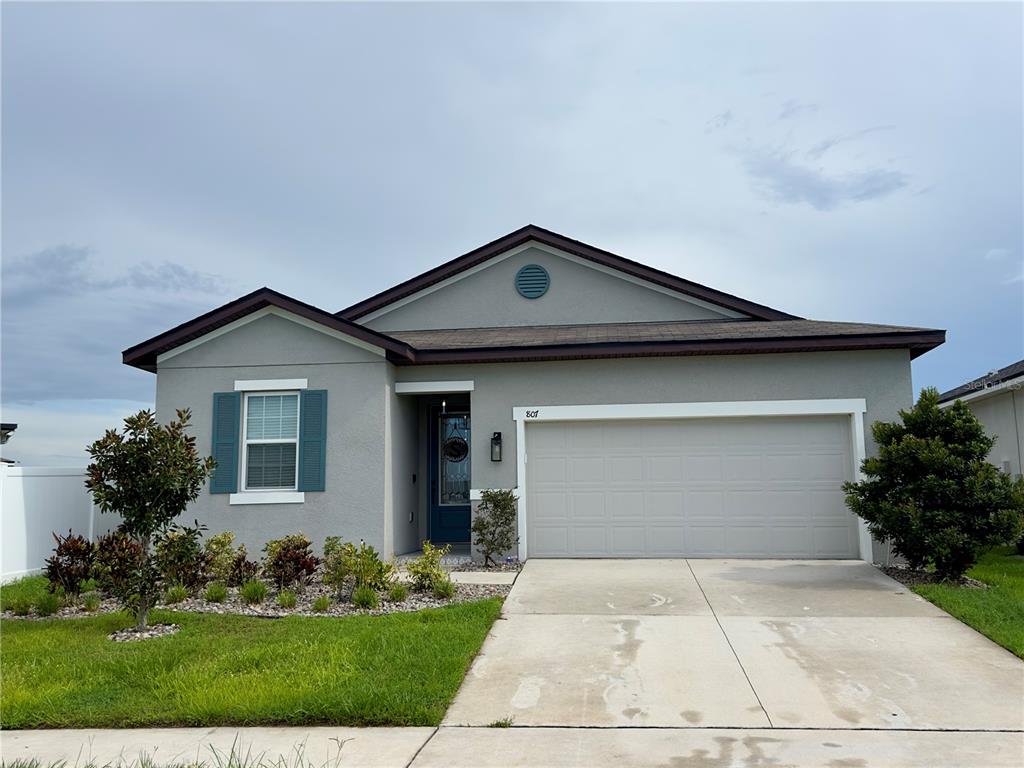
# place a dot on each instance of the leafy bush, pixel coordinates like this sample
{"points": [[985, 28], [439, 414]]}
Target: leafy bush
{"points": [[494, 524], [444, 587], [215, 592], [286, 599], [179, 557], [91, 601], [242, 569], [932, 491], [426, 569], [398, 592], [344, 560], [365, 597], [253, 592], [70, 564], [88, 585], [48, 604], [117, 557], [290, 560], [20, 605], [176, 593], [322, 604], [220, 556], [147, 474]]}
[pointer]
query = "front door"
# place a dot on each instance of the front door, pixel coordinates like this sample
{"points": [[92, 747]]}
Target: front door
{"points": [[449, 477]]}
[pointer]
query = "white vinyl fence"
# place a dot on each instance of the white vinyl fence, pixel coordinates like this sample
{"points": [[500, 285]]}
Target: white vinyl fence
{"points": [[35, 502]]}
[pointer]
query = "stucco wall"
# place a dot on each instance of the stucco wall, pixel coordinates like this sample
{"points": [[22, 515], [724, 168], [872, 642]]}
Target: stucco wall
{"points": [[1003, 416], [407, 480], [578, 294], [273, 348]]}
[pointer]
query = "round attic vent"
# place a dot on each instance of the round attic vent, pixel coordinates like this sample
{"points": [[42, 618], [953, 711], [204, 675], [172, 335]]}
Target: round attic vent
{"points": [[532, 281]]}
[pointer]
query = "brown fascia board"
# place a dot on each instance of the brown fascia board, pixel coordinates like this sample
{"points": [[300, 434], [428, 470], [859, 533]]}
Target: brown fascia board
{"points": [[917, 342], [144, 355], [576, 248]]}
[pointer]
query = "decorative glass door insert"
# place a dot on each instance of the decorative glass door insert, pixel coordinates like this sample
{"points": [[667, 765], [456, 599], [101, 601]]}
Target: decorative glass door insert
{"points": [[453, 455]]}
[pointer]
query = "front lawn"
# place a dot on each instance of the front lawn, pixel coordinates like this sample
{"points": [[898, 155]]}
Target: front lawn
{"points": [[399, 669], [996, 612]]}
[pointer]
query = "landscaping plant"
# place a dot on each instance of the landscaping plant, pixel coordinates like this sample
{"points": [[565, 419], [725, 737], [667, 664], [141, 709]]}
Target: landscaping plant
{"points": [[220, 556], [215, 592], [397, 592], [444, 587], [70, 564], [48, 604], [179, 556], [365, 597], [286, 599], [344, 560], [426, 569], [290, 560], [253, 592], [117, 557], [148, 474], [242, 569], [494, 524], [20, 605], [91, 601], [932, 491], [322, 604], [176, 593]]}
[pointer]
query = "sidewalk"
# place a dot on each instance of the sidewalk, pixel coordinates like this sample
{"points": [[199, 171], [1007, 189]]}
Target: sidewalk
{"points": [[524, 747]]}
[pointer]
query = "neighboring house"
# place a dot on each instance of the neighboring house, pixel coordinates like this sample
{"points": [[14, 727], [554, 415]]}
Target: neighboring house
{"points": [[998, 402], [635, 413]]}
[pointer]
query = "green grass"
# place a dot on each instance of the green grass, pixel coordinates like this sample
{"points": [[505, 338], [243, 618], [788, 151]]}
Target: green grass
{"points": [[398, 669], [996, 612], [28, 588]]}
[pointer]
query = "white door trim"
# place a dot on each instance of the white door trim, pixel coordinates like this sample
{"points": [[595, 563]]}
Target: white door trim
{"points": [[432, 387], [854, 408]]}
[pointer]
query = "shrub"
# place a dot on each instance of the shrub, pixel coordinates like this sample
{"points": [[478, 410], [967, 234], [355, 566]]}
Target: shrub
{"points": [[365, 597], [932, 491], [426, 569], [220, 556], [48, 604], [91, 601], [147, 474], [398, 592], [89, 585], [286, 599], [179, 556], [444, 587], [290, 560], [322, 604], [216, 592], [242, 569], [176, 593], [343, 560], [494, 524], [253, 592], [70, 564], [20, 605], [117, 557]]}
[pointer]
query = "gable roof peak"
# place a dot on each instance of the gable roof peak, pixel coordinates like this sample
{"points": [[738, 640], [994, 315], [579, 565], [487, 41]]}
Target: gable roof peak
{"points": [[535, 233]]}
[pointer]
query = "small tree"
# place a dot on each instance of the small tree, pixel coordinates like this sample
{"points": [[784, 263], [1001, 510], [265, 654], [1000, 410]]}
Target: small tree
{"points": [[148, 475], [494, 525], [932, 491]]}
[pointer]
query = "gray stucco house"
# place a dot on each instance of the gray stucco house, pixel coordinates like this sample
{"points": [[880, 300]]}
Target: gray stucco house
{"points": [[635, 413], [997, 400]]}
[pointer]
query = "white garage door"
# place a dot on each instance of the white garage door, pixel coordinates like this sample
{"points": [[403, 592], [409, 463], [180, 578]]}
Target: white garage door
{"points": [[739, 487]]}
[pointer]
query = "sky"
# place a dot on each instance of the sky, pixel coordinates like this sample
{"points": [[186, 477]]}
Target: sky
{"points": [[856, 162]]}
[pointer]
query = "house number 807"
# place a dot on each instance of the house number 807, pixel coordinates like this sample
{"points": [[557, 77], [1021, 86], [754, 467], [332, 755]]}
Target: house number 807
{"points": [[532, 414]]}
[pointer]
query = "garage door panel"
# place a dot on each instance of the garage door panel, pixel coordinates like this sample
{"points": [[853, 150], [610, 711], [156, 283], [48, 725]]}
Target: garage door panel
{"points": [[760, 487]]}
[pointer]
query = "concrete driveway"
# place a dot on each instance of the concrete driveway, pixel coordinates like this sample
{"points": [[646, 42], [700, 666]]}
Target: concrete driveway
{"points": [[734, 644]]}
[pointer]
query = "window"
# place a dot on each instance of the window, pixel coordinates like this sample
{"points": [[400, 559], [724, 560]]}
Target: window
{"points": [[270, 441]]}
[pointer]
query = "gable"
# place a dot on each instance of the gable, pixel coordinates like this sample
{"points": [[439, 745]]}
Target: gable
{"points": [[578, 292], [269, 337]]}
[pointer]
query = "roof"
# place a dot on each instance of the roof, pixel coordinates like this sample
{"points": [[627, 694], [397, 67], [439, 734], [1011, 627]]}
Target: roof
{"points": [[144, 355], [694, 337], [533, 233], [991, 380]]}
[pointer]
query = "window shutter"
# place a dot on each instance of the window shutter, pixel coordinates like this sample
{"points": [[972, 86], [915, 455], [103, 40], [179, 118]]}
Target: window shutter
{"points": [[313, 440], [227, 408]]}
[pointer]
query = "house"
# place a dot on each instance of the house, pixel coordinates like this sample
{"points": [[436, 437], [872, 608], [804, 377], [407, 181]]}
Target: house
{"points": [[998, 402], [635, 413]]}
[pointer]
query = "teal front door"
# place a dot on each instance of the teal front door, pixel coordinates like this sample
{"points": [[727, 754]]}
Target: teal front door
{"points": [[449, 477]]}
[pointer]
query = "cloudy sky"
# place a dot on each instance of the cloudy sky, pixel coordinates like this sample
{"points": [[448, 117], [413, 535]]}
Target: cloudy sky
{"points": [[840, 161]]}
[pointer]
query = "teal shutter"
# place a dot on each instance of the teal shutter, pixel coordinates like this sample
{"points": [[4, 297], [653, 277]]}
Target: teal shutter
{"points": [[313, 440], [227, 407]]}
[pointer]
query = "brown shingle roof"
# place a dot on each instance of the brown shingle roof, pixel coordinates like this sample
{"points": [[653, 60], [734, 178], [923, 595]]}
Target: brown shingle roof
{"points": [[990, 380]]}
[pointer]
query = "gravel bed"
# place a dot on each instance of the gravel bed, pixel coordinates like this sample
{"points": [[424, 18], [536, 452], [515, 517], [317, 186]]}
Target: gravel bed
{"points": [[910, 578], [303, 607], [132, 635], [514, 567]]}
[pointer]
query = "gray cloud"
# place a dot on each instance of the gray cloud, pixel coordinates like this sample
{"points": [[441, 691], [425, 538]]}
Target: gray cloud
{"points": [[778, 177], [719, 121], [824, 146], [793, 109]]}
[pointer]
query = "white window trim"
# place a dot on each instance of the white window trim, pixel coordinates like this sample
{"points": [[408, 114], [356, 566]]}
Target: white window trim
{"points": [[854, 408], [267, 385], [246, 491], [432, 387], [267, 497]]}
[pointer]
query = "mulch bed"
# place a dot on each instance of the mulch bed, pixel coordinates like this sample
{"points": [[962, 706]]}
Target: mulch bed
{"points": [[911, 578]]}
